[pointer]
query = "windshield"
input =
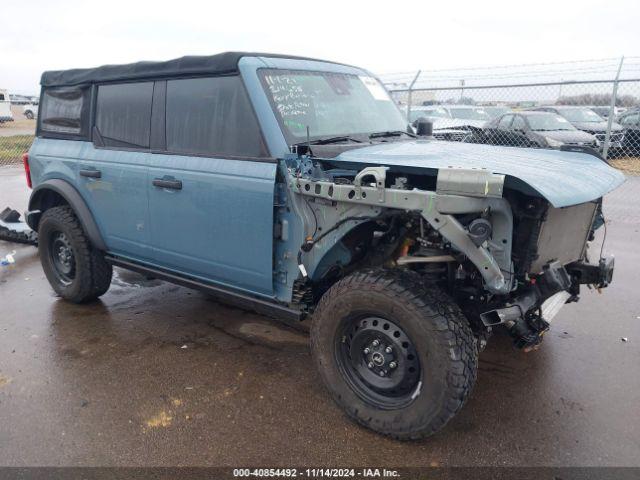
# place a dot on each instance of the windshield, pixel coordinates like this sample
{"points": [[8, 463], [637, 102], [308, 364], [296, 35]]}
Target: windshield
{"points": [[470, 113], [541, 123], [495, 112], [329, 104], [580, 115]]}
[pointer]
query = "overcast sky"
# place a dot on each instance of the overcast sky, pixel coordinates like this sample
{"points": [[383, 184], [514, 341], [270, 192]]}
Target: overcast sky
{"points": [[381, 36]]}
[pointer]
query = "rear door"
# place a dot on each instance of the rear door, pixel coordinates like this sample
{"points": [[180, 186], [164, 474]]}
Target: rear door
{"points": [[211, 193], [112, 171]]}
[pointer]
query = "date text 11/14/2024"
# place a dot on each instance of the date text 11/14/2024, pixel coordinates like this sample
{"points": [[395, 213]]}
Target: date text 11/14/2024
{"points": [[316, 472]]}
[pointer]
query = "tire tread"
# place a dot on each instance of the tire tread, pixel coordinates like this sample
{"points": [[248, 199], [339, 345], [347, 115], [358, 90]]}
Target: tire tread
{"points": [[442, 317]]}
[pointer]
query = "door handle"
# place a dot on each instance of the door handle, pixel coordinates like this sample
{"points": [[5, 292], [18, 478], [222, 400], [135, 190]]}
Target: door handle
{"points": [[165, 183], [91, 173]]}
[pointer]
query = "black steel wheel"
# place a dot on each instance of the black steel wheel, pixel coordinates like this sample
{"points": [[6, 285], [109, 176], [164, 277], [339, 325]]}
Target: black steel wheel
{"points": [[398, 356], [62, 258], [379, 360], [76, 271]]}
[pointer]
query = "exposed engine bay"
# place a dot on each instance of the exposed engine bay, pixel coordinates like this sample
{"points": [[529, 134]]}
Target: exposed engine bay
{"points": [[507, 257]]}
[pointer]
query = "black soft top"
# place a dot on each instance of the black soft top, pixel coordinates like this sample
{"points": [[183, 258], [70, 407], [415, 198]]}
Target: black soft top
{"points": [[220, 64]]}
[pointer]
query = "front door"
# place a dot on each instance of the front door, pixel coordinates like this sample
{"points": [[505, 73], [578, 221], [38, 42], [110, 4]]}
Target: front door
{"points": [[211, 194]]}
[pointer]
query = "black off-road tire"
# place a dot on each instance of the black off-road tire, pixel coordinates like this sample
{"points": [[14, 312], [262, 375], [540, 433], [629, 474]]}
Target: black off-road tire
{"points": [[92, 273], [444, 344]]}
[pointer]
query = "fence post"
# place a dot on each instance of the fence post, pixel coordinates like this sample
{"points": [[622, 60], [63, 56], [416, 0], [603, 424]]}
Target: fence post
{"points": [[410, 94], [614, 97]]}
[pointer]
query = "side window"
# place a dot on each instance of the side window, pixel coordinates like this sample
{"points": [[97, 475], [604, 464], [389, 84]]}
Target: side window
{"points": [[630, 120], [504, 122], [211, 116], [123, 114], [518, 123], [65, 110], [1, 97]]}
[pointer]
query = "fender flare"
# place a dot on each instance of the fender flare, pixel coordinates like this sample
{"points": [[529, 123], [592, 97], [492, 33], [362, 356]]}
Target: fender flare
{"points": [[75, 201]]}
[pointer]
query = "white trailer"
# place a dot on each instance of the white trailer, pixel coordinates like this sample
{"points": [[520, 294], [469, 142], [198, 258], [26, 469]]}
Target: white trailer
{"points": [[5, 107]]}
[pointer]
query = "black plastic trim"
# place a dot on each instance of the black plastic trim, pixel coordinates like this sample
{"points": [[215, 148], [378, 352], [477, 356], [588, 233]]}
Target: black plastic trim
{"points": [[75, 201]]}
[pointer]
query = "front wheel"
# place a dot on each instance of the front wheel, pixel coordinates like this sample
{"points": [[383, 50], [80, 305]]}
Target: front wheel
{"points": [[398, 357]]}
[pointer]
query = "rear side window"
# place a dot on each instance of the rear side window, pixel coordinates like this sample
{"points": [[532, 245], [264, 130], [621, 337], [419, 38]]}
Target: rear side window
{"points": [[211, 116], [65, 110], [518, 123], [1, 97], [505, 122], [123, 114], [630, 119]]}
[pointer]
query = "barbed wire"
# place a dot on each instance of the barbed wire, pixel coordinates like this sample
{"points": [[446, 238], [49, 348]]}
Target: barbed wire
{"points": [[597, 69]]}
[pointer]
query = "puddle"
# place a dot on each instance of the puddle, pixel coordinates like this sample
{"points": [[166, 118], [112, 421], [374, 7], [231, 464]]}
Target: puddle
{"points": [[126, 278]]}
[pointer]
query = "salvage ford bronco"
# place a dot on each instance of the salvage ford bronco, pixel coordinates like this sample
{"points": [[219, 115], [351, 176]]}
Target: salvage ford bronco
{"points": [[295, 187]]}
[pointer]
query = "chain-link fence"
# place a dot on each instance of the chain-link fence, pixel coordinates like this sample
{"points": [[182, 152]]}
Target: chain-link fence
{"points": [[591, 104], [17, 130]]}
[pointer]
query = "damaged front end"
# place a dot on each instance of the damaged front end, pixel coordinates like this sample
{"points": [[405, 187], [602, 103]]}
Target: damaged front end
{"points": [[527, 314], [550, 263], [506, 255]]}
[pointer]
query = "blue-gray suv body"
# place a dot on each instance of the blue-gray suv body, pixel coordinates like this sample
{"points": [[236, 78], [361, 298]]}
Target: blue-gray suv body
{"points": [[295, 187]]}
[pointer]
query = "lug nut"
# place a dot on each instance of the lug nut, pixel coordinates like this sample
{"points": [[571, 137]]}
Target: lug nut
{"points": [[370, 364], [375, 343], [393, 365], [367, 351], [382, 373], [388, 349]]}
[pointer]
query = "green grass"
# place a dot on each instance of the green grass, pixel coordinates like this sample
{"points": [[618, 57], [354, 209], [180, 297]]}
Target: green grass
{"points": [[12, 148]]}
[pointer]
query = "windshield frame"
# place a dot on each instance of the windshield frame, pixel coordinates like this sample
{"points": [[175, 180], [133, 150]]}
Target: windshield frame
{"points": [[292, 139]]}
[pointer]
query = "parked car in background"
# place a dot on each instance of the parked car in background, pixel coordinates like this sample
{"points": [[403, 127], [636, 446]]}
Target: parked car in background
{"points": [[585, 119], [30, 111], [451, 122], [468, 113], [495, 111], [603, 110], [535, 129], [5, 107], [630, 121]]}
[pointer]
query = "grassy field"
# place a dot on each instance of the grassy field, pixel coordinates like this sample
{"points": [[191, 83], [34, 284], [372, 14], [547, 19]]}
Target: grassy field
{"points": [[629, 165], [12, 148]]}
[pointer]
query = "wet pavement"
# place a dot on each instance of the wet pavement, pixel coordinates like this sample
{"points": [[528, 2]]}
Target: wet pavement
{"points": [[156, 374]]}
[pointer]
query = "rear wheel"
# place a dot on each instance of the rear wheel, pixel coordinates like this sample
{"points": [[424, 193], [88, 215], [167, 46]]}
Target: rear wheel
{"points": [[399, 358], [29, 114], [76, 271]]}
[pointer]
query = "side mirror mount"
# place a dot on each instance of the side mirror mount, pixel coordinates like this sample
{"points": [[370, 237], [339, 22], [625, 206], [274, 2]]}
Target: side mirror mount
{"points": [[424, 127]]}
